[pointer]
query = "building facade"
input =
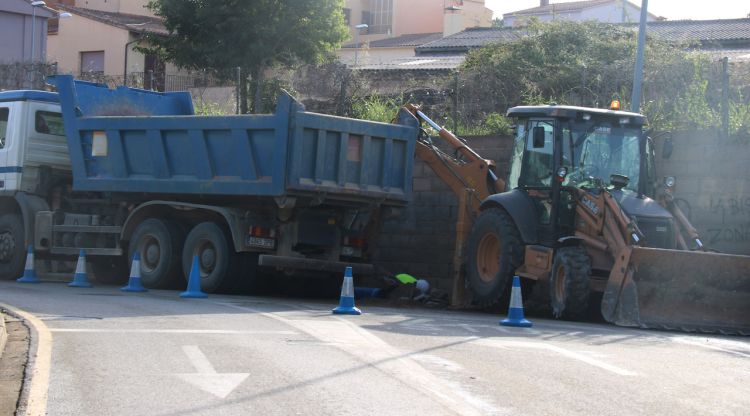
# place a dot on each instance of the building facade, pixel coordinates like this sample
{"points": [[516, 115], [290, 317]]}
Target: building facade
{"points": [[606, 11], [21, 26]]}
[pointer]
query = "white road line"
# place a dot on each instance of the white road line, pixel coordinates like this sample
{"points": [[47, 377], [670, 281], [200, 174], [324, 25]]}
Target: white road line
{"points": [[174, 331], [40, 360], [727, 346], [559, 350], [198, 359]]}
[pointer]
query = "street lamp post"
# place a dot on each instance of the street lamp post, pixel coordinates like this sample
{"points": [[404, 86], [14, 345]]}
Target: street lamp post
{"points": [[356, 39], [34, 5]]}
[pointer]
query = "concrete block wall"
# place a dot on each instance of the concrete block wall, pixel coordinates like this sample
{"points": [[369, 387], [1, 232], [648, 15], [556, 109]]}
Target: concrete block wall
{"points": [[713, 186], [419, 238]]}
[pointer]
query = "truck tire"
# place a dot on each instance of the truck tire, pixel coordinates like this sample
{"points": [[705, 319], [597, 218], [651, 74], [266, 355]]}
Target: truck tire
{"points": [[493, 252], [158, 243], [569, 283], [216, 259], [110, 270], [12, 246]]}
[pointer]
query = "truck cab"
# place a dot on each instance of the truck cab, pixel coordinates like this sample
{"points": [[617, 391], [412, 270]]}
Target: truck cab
{"points": [[32, 140], [35, 169]]}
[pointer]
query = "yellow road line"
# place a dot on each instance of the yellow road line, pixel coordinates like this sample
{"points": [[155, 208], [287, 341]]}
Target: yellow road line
{"points": [[40, 357]]}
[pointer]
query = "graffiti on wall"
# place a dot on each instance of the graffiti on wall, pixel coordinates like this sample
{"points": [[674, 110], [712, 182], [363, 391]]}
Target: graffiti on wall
{"points": [[735, 219]]}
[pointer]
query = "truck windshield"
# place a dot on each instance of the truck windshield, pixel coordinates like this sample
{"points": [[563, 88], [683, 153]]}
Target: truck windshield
{"points": [[595, 150]]}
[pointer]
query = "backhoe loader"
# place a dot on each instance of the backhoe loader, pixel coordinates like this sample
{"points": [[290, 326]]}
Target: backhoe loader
{"points": [[581, 212]]}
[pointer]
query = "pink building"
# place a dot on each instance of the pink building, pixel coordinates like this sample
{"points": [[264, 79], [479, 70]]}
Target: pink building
{"points": [[392, 18]]}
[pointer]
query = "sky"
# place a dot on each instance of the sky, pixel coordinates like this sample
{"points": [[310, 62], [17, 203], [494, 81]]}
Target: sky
{"points": [[671, 9]]}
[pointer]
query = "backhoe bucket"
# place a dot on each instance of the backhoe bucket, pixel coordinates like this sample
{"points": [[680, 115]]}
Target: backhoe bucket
{"points": [[679, 290]]}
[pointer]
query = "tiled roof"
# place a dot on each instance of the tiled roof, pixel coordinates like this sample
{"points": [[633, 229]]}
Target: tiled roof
{"points": [[413, 39], [721, 31], [471, 38], [559, 7], [132, 22], [701, 30], [440, 62]]}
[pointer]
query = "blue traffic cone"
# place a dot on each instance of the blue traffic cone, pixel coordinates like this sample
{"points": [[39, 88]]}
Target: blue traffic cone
{"points": [[80, 279], [134, 283], [29, 275], [194, 282], [346, 303], [515, 310]]}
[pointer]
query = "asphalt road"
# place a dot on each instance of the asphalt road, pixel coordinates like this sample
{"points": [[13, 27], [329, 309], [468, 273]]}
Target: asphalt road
{"points": [[114, 353]]}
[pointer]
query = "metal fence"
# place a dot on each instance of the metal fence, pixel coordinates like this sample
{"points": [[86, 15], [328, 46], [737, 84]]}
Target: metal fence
{"points": [[33, 76]]}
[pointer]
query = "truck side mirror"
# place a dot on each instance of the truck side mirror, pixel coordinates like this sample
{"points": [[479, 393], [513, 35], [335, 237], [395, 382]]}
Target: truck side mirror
{"points": [[538, 137], [666, 150]]}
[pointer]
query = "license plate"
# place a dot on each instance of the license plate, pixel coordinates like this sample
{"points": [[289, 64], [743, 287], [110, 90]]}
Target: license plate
{"points": [[260, 242], [351, 251]]}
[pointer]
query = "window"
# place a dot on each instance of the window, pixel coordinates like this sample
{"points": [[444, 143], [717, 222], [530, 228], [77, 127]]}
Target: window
{"points": [[381, 15], [347, 16], [366, 18], [3, 126], [47, 122], [538, 163], [92, 62]]}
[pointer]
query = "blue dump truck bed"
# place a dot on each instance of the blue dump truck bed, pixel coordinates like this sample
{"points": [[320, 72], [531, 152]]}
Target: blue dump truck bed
{"points": [[131, 140]]}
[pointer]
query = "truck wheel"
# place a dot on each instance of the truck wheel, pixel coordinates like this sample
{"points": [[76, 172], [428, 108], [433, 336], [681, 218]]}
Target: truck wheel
{"points": [[12, 246], [569, 283], [158, 243], [217, 262], [493, 251], [110, 271]]}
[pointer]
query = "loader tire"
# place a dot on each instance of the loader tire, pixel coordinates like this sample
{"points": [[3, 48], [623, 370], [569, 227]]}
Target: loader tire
{"points": [[158, 243], [493, 252], [569, 283], [12, 246]]}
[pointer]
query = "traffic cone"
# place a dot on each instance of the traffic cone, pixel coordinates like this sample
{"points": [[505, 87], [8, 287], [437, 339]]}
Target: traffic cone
{"points": [[134, 283], [80, 279], [515, 310], [29, 275], [194, 282], [346, 303]]}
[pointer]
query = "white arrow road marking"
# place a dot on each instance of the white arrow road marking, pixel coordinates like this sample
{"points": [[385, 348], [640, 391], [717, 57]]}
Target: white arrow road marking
{"points": [[206, 378], [366, 346]]}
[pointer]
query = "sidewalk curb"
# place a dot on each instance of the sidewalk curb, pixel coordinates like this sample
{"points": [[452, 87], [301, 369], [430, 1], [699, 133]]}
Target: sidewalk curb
{"points": [[3, 333]]}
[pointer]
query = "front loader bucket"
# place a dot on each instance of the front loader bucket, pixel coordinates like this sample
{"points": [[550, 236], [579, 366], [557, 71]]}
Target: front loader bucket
{"points": [[679, 290]]}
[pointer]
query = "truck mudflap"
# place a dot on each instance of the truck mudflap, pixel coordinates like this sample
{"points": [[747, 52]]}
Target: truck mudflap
{"points": [[679, 290]]}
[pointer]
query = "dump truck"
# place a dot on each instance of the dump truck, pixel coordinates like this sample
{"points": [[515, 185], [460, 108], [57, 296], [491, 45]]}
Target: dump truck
{"points": [[122, 171], [582, 211]]}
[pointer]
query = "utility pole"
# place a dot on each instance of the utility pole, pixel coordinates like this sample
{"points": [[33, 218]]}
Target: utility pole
{"points": [[635, 100]]}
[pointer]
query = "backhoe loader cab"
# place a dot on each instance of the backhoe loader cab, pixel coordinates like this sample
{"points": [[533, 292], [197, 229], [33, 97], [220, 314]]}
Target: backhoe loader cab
{"points": [[560, 151], [580, 211], [568, 166]]}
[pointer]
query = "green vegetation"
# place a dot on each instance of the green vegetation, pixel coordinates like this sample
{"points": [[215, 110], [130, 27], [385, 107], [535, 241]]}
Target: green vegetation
{"points": [[589, 64]]}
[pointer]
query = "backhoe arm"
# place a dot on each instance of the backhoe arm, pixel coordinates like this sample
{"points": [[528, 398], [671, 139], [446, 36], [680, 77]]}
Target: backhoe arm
{"points": [[470, 177]]}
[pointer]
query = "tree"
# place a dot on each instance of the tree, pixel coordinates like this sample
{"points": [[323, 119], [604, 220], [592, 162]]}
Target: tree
{"points": [[257, 35], [589, 64]]}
